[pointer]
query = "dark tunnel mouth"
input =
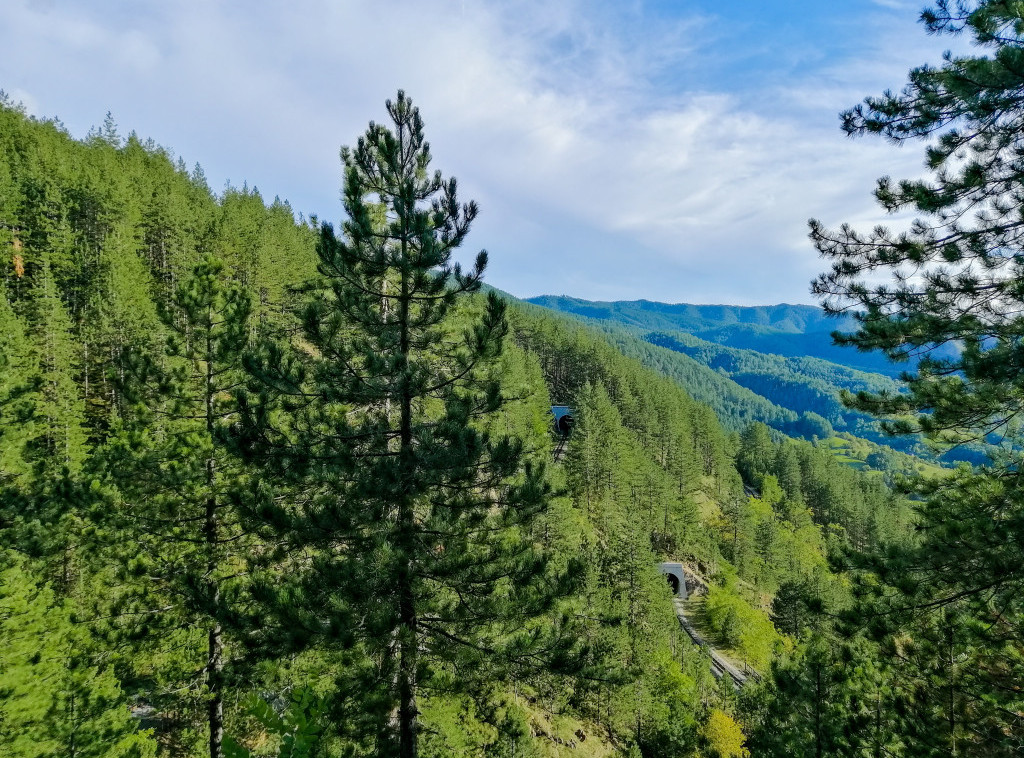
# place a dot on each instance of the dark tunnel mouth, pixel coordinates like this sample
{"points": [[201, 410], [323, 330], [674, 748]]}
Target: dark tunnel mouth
{"points": [[565, 424], [673, 582]]}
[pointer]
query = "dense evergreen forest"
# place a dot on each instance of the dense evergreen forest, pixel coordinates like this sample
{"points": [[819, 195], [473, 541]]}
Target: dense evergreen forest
{"points": [[790, 331], [271, 487], [155, 506]]}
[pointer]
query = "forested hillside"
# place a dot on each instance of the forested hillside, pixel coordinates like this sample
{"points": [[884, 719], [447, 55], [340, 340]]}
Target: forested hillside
{"points": [[797, 395], [787, 330], [272, 488]]}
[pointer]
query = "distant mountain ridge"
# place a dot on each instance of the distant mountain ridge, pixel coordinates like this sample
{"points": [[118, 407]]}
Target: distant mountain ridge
{"points": [[783, 317], [770, 363], [784, 329]]}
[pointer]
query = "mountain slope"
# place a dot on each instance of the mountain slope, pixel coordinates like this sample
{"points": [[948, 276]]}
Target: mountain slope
{"points": [[796, 393], [798, 396], [735, 406], [786, 330], [803, 385]]}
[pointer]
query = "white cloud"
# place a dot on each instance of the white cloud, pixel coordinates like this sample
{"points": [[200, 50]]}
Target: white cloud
{"points": [[20, 97], [555, 115]]}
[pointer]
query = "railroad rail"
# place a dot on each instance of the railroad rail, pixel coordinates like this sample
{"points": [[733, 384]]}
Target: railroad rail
{"points": [[719, 665]]}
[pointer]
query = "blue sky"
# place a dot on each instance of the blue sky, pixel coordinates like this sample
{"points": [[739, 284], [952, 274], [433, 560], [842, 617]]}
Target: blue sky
{"points": [[668, 150]]}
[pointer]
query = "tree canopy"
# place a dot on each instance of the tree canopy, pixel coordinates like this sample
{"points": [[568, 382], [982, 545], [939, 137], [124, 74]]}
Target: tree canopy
{"points": [[952, 606]]}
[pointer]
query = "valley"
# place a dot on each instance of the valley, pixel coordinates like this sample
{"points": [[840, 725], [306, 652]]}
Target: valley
{"points": [[273, 486]]}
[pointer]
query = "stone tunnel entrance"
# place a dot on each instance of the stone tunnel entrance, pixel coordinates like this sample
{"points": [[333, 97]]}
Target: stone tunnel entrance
{"points": [[676, 576], [563, 418]]}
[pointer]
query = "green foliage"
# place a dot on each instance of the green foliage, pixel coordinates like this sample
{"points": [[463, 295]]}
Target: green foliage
{"points": [[176, 542], [455, 727], [384, 457], [57, 695], [95, 238], [791, 392], [297, 730], [372, 547], [724, 736], [18, 379], [745, 629], [756, 454], [60, 441], [942, 597]]}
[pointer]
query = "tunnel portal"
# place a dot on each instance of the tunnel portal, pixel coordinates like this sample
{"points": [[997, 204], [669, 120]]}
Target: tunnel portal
{"points": [[563, 418], [676, 576]]}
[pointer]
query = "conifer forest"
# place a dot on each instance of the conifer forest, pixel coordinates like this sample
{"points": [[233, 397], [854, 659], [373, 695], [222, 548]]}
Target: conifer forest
{"points": [[275, 486]]}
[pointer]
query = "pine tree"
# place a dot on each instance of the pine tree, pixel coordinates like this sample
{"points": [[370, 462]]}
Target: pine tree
{"points": [[807, 719], [54, 700], [171, 478], [949, 291], [17, 384], [61, 438], [787, 472], [375, 430], [756, 454]]}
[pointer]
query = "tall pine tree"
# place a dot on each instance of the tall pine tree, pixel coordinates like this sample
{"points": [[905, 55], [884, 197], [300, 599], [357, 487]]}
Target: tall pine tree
{"points": [[410, 515], [955, 279], [178, 542]]}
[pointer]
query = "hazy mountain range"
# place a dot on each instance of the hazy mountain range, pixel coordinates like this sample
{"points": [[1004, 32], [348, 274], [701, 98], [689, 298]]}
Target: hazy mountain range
{"points": [[774, 363], [787, 330]]}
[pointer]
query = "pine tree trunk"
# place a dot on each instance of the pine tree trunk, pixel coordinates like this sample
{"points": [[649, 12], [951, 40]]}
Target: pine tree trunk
{"points": [[819, 704], [407, 711], [877, 752], [215, 648], [85, 370], [214, 681], [408, 638], [951, 716]]}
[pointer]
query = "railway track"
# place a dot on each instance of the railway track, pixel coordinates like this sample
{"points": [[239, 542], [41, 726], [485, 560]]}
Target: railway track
{"points": [[719, 665], [560, 448]]}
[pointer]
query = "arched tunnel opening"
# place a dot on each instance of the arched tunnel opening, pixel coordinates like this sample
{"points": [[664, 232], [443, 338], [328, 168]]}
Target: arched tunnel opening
{"points": [[563, 420], [673, 582]]}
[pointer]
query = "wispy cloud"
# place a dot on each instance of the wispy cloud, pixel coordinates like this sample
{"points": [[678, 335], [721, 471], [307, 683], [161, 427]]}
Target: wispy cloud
{"points": [[602, 168]]}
